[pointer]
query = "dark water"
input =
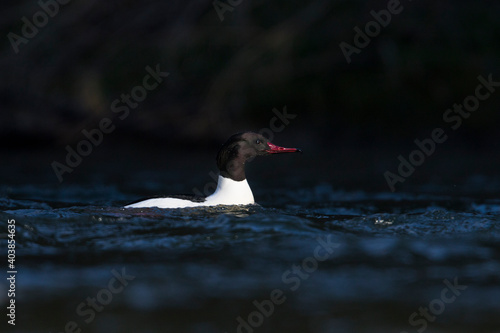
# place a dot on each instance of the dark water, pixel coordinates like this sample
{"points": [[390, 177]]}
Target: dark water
{"points": [[387, 255]]}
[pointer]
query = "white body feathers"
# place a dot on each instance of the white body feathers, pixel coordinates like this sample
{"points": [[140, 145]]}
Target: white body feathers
{"points": [[228, 192]]}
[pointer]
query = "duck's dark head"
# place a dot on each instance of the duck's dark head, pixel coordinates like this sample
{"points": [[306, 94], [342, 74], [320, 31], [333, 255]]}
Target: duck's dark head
{"points": [[241, 148]]}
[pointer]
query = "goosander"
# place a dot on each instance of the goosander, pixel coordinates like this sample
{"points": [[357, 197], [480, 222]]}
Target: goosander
{"points": [[232, 187]]}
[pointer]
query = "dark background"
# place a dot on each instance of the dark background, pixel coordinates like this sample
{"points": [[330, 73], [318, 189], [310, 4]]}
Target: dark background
{"points": [[353, 120]]}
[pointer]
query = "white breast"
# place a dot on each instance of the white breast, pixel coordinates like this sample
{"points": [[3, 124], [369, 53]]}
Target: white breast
{"points": [[228, 192]]}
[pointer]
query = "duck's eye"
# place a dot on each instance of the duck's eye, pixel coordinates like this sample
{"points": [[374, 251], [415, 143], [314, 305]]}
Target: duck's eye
{"points": [[257, 141]]}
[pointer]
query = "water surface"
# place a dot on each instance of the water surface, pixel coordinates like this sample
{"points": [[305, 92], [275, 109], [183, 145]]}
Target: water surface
{"points": [[200, 270]]}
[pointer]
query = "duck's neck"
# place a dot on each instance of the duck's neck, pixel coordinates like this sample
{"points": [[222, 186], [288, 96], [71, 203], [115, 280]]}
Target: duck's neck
{"points": [[231, 192], [234, 169]]}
